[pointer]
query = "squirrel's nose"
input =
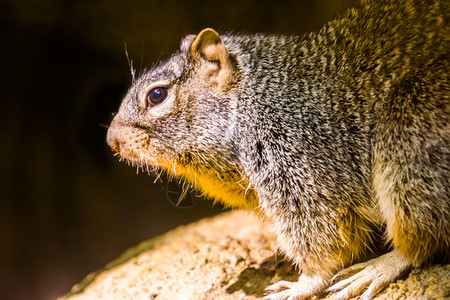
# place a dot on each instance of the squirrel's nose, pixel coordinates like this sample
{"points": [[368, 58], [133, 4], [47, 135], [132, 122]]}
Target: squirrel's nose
{"points": [[111, 138]]}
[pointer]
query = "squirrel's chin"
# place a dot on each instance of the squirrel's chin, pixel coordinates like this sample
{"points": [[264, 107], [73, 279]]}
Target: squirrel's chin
{"points": [[138, 159]]}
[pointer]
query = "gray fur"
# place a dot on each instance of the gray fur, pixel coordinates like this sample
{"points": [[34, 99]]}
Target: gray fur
{"points": [[333, 136]]}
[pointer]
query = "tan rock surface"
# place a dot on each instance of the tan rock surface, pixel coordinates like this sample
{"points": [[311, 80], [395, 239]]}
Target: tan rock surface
{"points": [[219, 258]]}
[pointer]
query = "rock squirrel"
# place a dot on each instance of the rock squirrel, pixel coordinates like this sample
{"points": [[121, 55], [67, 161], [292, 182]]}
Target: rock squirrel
{"points": [[333, 137]]}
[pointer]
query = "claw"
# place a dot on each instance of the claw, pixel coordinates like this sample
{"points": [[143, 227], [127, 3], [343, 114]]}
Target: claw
{"points": [[372, 277], [305, 287]]}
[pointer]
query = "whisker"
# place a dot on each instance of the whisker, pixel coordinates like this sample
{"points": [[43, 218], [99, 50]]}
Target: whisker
{"points": [[142, 57], [158, 176], [130, 64]]}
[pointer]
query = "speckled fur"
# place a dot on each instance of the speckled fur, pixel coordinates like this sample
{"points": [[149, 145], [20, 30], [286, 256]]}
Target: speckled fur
{"points": [[334, 137]]}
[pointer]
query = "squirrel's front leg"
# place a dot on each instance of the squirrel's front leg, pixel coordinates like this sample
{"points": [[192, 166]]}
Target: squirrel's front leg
{"points": [[320, 242]]}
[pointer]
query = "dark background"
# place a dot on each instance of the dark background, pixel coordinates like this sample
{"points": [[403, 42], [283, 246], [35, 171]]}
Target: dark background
{"points": [[67, 206]]}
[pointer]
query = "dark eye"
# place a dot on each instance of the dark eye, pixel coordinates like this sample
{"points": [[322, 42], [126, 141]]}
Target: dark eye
{"points": [[156, 96]]}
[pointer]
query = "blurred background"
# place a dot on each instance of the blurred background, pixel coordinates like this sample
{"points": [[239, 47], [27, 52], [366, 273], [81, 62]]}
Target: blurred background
{"points": [[67, 206]]}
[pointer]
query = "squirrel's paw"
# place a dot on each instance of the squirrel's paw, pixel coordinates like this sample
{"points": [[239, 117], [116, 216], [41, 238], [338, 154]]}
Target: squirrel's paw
{"points": [[305, 287], [371, 276]]}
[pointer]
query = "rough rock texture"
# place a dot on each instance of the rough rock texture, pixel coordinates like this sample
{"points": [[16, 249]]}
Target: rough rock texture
{"points": [[220, 258]]}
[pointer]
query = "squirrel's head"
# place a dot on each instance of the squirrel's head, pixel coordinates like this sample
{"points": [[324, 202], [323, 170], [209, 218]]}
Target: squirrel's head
{"points": [[180, 116]]}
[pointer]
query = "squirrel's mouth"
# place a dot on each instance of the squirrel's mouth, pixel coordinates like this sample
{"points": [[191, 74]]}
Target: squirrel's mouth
{"points": [[147, 159]]}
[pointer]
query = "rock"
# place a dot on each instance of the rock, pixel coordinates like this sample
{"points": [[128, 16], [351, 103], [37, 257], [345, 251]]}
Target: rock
{"points": [[229, 256]]}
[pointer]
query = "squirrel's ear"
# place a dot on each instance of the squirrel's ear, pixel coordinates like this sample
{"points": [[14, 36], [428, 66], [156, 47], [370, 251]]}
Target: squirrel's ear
{"points": [[208, 46]]}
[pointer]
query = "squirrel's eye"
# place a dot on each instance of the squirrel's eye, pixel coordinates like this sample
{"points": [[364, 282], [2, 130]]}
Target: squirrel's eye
{"points": [[156, 96]]}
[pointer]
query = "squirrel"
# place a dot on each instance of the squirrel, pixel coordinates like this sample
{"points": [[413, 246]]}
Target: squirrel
{"points": [[339, 138]]}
